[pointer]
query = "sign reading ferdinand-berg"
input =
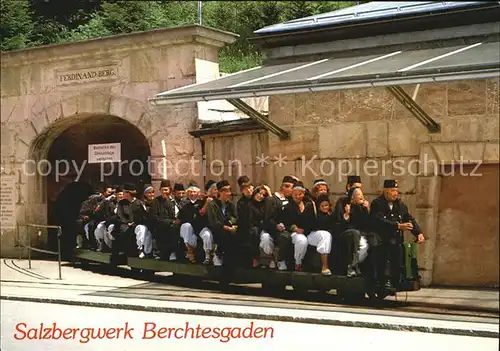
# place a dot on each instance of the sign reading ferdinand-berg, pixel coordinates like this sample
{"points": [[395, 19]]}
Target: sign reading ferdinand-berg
{"points": [[87, 75], [101, 153], [7, 202]]}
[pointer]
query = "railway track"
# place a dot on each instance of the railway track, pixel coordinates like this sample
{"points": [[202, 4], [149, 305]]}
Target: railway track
{"points": [[186, 289]]}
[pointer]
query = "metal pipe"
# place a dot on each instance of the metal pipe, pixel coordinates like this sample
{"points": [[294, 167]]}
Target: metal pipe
{"points": [[29, 247], [59, 234], [200, 13]]}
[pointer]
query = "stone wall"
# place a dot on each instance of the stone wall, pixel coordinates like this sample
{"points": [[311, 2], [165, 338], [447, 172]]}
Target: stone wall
{"points": [[44, 90], [381, 139]]}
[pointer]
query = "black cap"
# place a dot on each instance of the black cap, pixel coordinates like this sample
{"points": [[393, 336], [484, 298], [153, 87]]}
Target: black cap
{"points": [[289, 179], [390, 183], [353, 179], [129, 187], [178, 186], [209, 184], [165, 183], [322, 198], [221, 184], [243, 181]]}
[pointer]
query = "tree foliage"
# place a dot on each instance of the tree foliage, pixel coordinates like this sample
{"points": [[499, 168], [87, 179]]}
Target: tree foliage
{"points": [[26, 23]]}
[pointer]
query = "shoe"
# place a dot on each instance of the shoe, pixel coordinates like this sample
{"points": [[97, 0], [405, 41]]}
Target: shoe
{"points": [[142, 254], [208, 257], [217, 261], [173, 257], [351, 272], [272, 264], [298, 268], [326, 272], [79, 241], [388, 285], [282, 266]]}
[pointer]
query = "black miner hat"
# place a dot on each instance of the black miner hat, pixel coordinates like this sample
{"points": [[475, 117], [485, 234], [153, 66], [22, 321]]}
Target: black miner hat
{"points": [[353, 179], [390, 183], [165, 183]]}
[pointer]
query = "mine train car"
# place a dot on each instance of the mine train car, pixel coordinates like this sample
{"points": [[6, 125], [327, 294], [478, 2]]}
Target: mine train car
{"points": [[240, 272]]}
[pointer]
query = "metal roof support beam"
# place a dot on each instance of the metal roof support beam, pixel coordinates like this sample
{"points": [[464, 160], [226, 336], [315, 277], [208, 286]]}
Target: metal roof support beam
{"points": [[410, 104], [259, 117]]}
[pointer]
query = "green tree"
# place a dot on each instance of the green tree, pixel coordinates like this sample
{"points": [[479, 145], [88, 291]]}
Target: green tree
{"points": [[16, 24]]}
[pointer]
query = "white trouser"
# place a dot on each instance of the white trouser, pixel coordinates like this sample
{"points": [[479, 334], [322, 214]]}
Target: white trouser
{"points": [[299, 242], [363, 249], [144, 238], [322, 239], [86, 229], [100, 231], [188, 235], [208, 239], [266, 243], [108, 238]]}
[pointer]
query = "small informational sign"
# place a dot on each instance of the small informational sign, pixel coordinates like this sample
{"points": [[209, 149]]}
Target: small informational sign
{"points": [[87, 75], [104, 153], [7, 202]]}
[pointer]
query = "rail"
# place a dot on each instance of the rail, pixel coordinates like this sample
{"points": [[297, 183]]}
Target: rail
{"points": [[31, 248]]}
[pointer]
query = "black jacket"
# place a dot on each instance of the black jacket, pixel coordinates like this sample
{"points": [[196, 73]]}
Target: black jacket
{"points": [[325, 221], [162, 212], [273, 208], [88, 206], [360, 219], [257, 214], [386, 220], [243, 211], [129, 212], [217, 219], [292, 217], [105, 210], [190, 213]]}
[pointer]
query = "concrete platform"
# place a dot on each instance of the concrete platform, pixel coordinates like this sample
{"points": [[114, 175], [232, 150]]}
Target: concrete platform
{"points": [[98, 289]]}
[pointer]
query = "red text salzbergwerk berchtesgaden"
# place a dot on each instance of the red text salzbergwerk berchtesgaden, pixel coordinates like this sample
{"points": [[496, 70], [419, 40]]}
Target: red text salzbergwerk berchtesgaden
{"points": [[150, 330]]}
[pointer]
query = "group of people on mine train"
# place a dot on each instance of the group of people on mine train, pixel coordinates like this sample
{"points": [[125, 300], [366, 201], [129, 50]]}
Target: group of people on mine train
{"points": [[277, 227]]}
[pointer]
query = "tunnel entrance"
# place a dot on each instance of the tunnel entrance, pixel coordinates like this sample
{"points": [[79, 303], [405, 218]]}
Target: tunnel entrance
{"points": [[75, 171]]}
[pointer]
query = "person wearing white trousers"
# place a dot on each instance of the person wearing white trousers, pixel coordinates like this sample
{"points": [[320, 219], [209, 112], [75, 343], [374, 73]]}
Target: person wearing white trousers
{"points": [[299, 217], [208, 243], [321, 239]]}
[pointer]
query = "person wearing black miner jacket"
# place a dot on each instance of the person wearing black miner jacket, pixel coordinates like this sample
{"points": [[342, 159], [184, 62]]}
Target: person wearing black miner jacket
{"points": [[222, 218], [130, 214], [243, 211], [272, 220], [163, 216], [189, 215], [391, 218]]}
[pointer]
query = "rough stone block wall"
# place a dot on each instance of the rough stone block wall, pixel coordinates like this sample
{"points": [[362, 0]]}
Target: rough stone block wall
{"points": [[37, 104], [370, 127]]}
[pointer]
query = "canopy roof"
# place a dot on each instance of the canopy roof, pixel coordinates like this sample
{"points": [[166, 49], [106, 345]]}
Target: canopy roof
{"points": [[388, 67], [369, 12]]}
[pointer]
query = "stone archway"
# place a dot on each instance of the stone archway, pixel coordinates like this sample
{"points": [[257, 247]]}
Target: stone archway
{"points": [[61, 167]]}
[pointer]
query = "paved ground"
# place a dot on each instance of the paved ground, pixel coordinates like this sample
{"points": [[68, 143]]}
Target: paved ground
{"points": [[455, 311], [198, 332]]}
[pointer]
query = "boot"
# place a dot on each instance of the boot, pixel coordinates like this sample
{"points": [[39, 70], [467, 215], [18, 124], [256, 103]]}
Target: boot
{"points": [[208, 257], [79, 241], [353, 269]]}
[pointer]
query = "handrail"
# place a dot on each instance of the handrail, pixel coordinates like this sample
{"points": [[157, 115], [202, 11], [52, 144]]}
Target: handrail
{"points": [[30, 248]]}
